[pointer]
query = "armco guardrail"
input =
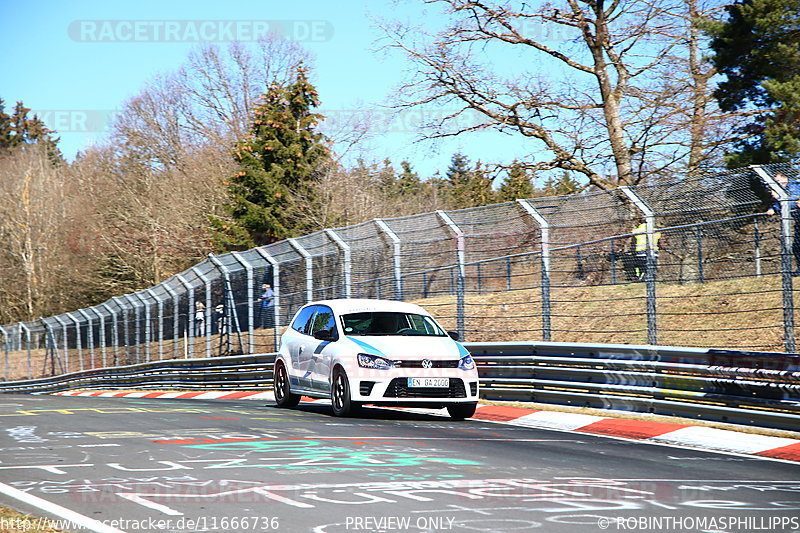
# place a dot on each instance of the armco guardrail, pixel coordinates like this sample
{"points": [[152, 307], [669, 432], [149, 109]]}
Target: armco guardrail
{"points": [[755, 388]]}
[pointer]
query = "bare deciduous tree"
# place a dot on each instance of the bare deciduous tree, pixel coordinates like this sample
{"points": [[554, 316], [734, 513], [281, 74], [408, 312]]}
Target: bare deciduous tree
{"points": [[616, 84]]}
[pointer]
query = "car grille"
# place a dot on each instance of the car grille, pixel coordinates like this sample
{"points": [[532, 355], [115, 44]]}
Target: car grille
{"points": [[414, 363], [398, 388], [365, 388]]}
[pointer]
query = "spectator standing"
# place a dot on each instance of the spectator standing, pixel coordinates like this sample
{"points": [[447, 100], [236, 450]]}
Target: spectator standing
{"points": [[199, 319], [267, 306], [640, 249]]}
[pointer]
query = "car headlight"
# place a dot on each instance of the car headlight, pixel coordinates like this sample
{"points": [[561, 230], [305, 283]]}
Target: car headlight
{"points": [[366, 360], [466, 363]]}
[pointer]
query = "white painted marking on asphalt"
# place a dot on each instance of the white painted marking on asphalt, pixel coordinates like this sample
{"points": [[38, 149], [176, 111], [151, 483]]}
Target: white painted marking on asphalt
{"points": [[733, 441], [68, 514], [557, 420], [96, 445]]}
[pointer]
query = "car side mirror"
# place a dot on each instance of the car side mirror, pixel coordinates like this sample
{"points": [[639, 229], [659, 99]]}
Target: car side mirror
{"points": [[323, 335], [453, 335]]}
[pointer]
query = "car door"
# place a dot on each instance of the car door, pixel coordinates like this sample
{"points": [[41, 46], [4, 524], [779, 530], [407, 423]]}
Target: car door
{"points": [[297, 342], [320, 357]]}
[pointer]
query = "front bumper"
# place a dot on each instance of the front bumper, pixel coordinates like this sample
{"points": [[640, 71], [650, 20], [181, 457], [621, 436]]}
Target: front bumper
{"points": [[391, 386]]}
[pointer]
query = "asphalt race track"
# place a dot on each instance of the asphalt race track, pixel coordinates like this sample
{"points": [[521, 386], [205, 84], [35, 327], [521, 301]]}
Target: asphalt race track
{"points": [[168, 465]]}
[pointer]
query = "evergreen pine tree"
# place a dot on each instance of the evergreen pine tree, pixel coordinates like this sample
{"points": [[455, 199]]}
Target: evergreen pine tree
{"points": [[271, 195], [408, 182], [19, 129], [758, 50], [516, 185]]}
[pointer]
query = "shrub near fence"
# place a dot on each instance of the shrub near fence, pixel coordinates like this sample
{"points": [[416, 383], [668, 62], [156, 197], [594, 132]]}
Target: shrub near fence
{"points": [[717, 273]]}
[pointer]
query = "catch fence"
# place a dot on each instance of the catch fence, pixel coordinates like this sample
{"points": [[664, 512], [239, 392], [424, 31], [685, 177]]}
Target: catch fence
{"points": [[692, 262]]}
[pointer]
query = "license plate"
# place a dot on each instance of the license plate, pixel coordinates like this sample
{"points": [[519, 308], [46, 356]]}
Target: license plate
{"points": [[428, 382]]}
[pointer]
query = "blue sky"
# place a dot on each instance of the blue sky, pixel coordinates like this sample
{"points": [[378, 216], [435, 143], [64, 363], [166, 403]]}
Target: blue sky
{"points": [[50, 70]]}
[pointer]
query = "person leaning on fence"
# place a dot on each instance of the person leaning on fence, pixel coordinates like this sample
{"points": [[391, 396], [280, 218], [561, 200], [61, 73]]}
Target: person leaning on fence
{"points": [[267, 305], [792, 188]]}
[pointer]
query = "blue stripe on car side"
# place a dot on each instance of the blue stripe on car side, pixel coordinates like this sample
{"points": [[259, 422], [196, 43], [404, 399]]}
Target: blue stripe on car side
{"points": [[461, 350]]}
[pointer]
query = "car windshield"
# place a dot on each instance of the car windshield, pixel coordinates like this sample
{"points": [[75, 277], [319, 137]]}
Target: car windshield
{"points": [[390, 323]]}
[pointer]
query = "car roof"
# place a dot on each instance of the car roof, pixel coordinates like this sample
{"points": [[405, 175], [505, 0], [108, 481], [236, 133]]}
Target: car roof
{"points": [[345, 306]]}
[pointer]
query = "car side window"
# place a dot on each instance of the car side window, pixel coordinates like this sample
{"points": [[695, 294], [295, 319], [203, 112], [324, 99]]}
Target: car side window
{"points": [[303, 318], [324, 319]]}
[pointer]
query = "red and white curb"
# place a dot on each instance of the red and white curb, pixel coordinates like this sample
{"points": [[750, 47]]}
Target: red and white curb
{"points": [[707, 438]]}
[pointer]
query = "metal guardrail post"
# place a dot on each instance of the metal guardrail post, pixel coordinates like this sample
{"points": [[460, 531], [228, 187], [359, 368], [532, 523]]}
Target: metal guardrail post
{"points": [[89, 335], [176, 319], [137, 326], [544, 228], [189, 316], [309, 268], [66, 348], [147, 329], [787, 244], [347, 264], [396, 245], [460, 281], [276, 288], [650, 271], [79, 348], [28, 343], [207, 313], [5, 350], [248, 268]]}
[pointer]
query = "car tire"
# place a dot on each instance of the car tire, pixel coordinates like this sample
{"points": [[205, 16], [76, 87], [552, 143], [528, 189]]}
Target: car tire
{"points": [[460, 411], [340, 394], [284, 397]]}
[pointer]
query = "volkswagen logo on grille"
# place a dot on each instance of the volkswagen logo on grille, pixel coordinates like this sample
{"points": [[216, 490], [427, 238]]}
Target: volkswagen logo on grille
{"points": [[427, 363]]}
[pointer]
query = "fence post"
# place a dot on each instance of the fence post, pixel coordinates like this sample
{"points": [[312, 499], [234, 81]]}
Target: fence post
{"points": [[176, 319], [700, 276], [125, 334], [147, 329], [101, 335], [309, 268], [51, 347], [613, 258], [137, 334], [207, 313], [5, 350], [114, 330], [250, 296], [189, 315], [66, 348], [229, 307], [22, 327], [160, 313], [460, 289], [544, 227], [276, 288], [347, 266], [786, 256], [78, 347], [89, 335], [650, 271], [757, 247], [396, 245]]}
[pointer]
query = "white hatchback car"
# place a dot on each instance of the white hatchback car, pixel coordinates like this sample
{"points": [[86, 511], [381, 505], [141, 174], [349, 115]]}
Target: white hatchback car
{"points": [[378, 352]]}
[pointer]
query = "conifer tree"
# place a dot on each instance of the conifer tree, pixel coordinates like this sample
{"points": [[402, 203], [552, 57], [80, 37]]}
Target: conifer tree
{"points": [[19, 129], [516, 185], [271, 196]]}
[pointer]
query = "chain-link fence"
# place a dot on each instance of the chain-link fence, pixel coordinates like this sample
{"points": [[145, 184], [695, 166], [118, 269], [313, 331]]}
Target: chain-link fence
{"points": [[703, 261]]}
